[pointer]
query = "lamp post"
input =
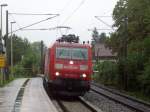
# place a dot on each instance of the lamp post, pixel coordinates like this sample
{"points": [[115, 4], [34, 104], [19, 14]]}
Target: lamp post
{"points": [[12, 49], [2, 5], [1, 45]]}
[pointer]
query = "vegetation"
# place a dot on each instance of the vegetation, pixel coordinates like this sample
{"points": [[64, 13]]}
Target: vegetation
{"points": [[131, 41], [107, 73], [3, 83], [98, 38], [26, 57]]}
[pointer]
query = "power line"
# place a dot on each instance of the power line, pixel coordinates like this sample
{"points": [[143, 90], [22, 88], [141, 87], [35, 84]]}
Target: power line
{"points": [[30, 14], [98, 29], [15, 21], [25, 15], [34, 23], [69, 1], [34, 29], [97, 17], [53, 28], [82, 2], [105, 16]]}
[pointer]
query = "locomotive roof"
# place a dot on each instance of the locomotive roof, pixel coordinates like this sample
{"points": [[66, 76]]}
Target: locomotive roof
{"points": [[67, 44]]}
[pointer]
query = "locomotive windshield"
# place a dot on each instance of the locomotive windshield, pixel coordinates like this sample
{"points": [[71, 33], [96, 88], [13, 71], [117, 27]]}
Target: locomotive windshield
{"points": [[72, 53]]}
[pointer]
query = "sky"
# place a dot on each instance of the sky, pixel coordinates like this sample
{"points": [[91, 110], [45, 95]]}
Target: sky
{"points": [[79, 15]]}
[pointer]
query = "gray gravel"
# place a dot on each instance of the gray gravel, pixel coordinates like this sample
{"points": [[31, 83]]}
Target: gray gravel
{"points": [[75, 106], [105, 104]]}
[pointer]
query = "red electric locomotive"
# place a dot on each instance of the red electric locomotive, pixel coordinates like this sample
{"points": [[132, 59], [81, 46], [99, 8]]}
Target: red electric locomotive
{"points": [[68, 68]]}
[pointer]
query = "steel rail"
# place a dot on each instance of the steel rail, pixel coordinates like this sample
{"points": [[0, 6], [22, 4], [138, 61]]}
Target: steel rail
{"points": [[82, 101], [120, 98], [89, 105]]}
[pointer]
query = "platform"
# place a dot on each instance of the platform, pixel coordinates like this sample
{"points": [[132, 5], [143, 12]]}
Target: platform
{"points": [[8, 95], [35, 98]]}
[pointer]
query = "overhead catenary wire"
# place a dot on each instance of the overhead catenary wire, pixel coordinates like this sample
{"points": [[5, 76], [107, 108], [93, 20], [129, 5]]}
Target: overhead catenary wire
{"points": [[33, 24], [97, 17], [30, 14], [35, 29], [105, 16], [81, 3], [98, 29], [52, 28], [62, 10], [67, 4], [15, 21]]}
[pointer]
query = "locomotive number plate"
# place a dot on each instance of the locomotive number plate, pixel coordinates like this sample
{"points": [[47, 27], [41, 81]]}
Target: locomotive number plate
{"points": [[70, 67]]}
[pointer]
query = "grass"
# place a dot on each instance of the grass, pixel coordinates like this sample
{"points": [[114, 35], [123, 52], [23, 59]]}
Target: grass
{"points": [[136, 94], [11, 79], [6, 82]]}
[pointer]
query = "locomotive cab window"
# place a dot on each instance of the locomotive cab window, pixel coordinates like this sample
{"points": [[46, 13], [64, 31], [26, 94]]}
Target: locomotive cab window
{"points": [[63, 53], [79, 53], [72, 53]]}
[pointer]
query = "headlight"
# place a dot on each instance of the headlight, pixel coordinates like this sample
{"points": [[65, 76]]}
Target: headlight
{"points": [[71, 62], [57, 74], [84, 75], [83, 67], [59, 66]]}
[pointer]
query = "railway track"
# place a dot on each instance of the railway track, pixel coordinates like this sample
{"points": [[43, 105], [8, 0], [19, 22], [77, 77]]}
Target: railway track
{"points": [[71, 104], [130, 102], [76, 105]]}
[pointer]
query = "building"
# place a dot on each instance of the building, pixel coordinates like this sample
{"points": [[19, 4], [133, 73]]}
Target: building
{"points": [[103, 53]]}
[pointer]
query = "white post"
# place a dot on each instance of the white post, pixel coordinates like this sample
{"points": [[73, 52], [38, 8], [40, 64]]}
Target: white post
{"points": [[12, 50], [3, 75], [1, 45], [11, 53]]}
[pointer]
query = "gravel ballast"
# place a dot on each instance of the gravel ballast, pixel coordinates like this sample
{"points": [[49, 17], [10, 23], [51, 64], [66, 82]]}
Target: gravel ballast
{"points": [[105, 104]]}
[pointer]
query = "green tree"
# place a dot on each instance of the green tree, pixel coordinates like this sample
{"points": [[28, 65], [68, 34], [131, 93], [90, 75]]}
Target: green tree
{"points": [[136, 13], [26, 56], [145, 79], [95, 37], [102, 37], [32, 59], [108, 72], [20, 47]]}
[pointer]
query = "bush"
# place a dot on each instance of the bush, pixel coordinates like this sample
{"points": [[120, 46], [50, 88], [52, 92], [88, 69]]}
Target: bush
{"points": [[147, 47], [18, 71], [108, 72], [134, 67], [145, 79]]}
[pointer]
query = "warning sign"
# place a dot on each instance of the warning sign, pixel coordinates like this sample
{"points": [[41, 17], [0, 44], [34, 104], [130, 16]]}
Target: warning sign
{"points": [[2, 61]]}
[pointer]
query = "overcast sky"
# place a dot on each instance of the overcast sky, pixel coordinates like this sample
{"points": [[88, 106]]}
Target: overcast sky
{"points": [[77, 14]]}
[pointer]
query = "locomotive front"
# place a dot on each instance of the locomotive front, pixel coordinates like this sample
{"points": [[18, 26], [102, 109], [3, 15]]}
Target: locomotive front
{"points": [[72, 69]]}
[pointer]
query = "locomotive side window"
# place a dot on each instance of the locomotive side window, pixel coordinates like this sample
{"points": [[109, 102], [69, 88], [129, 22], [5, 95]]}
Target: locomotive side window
{"points": [[72, 53]]}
